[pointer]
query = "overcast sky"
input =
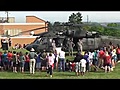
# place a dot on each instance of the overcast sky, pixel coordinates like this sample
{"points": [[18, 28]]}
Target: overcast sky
{"points": [[62, 16]]}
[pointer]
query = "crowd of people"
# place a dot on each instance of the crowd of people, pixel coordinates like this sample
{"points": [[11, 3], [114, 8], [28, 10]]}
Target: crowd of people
{"points": [[104, 58]]}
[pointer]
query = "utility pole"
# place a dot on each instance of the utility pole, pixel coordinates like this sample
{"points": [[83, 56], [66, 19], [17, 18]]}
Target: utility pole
{"points": [[7, 16], [87, 19]]}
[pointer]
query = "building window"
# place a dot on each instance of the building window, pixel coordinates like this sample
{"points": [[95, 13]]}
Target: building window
{"points": [[12, 32]]}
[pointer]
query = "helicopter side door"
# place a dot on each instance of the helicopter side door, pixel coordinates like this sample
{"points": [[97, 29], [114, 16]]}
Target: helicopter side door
{"points": [[88, 43]]}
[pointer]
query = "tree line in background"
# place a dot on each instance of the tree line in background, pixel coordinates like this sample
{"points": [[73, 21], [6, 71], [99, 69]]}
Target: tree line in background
{"points": [[111, 29]]}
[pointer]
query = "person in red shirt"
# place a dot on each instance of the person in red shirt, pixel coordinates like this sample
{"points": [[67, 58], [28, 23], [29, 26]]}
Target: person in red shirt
{"points": [[100, 58], [107, 61], [27, 60], [118, 53]]}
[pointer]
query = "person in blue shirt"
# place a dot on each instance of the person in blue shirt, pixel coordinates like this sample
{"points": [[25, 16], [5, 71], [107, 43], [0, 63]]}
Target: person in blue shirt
{"points": [[86, 57], [5, 60], [38, 61]]}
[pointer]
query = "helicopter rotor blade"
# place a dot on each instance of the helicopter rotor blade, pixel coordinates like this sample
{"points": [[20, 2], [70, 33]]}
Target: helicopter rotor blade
{"points": [[28, 31]]}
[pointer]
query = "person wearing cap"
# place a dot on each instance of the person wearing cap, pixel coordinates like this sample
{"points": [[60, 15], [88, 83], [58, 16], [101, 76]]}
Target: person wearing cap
{"points": [[32, 56]]}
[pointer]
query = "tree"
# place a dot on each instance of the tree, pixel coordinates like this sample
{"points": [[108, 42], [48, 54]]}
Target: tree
{"points": [[75, 18], [50, 26], [57, 26], [112, 25]]}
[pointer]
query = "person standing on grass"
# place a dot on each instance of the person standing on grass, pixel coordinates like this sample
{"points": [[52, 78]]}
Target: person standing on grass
{"points": [[44, 60], [70, 46], [27, 61], [67, 65], [83, 66], [9, 56], [107, 61], [50, 65], [118, 53], [52, 52], [56, 60], [22, 61], [18, 61], [14, 60], [1, 61], [62, 60], [77, 63], [91, 54], [86, 57], [32, 56], [114, 57], [95, 60], [5, 60], [100, 58], [38, 61]]}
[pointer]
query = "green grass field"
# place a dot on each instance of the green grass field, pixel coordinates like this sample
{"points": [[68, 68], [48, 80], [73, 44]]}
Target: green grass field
{"points": [[62, 75]]}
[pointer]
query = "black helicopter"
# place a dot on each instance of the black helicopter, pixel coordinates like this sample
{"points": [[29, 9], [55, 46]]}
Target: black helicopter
{"points": [[91, 40], [61, 37]]}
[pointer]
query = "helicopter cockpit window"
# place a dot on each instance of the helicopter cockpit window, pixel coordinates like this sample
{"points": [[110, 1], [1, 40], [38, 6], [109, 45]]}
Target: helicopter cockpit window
{"points": [[38, 41], [44, 41]]}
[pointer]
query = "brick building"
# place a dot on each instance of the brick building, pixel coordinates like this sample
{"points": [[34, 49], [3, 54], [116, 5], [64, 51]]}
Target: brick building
{"points": [[23, 30]]}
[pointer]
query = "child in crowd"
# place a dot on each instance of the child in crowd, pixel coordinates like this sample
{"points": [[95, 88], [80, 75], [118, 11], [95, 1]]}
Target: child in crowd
{"points": [[67, 65], [50, 65]]}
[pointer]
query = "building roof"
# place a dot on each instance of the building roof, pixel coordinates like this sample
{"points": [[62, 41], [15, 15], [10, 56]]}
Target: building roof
{"points": [[37, 18], [22, 23]]}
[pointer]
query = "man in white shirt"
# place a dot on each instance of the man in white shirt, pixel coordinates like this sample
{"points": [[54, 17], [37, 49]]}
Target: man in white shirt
{"points": [[62, 60], [83, 66]]}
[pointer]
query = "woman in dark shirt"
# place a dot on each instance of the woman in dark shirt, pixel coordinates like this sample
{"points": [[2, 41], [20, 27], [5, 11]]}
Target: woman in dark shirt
{"points": [[77, 63]]}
